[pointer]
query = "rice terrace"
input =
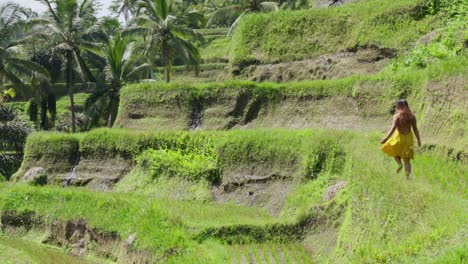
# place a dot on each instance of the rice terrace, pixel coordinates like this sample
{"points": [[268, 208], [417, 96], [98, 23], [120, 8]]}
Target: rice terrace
{"points": [[222, 131]]}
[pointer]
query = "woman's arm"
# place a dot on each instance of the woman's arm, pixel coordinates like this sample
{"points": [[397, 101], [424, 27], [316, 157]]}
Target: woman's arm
{"points": [[416, 131], [394, 126]]}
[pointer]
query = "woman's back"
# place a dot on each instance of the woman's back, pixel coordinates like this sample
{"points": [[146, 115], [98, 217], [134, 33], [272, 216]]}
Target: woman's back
{"points": [[404, 122]]}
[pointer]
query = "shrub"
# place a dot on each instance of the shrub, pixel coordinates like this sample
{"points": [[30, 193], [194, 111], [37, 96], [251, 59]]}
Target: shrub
{"points": [[170, 163], [40, 180]]}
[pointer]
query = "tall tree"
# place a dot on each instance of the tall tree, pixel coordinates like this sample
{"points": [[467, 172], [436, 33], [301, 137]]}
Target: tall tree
{"points": [[12, 17], [12, 65], [71, 25], [168, 34], [125, 7], [121, 63]]}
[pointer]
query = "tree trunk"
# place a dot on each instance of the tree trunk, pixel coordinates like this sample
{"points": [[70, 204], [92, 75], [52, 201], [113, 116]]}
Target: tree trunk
{"points": [[69, 77], [166, 60], [114, 98], [152, 73], [168, 73], [109, 119], [44, 103], [44, 113], [52, 107]]}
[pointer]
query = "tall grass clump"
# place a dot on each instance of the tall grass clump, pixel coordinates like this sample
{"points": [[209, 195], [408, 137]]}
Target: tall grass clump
{"points": [[444, 44]]}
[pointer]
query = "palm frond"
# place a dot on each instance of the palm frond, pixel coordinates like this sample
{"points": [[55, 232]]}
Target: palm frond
{"points": [[138, 69], [134, 31], [11, 76], [29, 65], [189, 51], [269, 6], [224, 16], [236, 22], [51, 10]]}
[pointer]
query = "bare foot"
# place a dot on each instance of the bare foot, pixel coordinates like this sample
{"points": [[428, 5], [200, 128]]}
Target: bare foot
{"points": [[399, 169], [407, 176]]}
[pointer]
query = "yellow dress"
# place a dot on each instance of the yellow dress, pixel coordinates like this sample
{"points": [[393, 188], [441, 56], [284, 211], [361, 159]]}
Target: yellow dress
{"points": [[399, 145]]}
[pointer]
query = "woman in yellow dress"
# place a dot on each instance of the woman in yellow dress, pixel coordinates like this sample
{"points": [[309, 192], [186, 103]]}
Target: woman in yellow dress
{"points": [[399, 141]]}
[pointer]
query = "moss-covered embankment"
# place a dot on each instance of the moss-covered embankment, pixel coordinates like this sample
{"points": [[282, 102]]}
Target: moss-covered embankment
{"points": [[236, 163], [242, 166], [437, 95]]}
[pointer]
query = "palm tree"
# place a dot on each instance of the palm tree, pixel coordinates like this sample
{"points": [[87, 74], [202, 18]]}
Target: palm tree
{"points": [[121, 60], [168, 34], [11, 17], [11, 65], [125, 7], [71, 25]]}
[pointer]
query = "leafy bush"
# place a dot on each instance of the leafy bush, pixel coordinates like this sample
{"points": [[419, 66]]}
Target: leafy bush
{"points": [[9, 164], [114, 142], [170, 163], [447, 43], [326, 155]]}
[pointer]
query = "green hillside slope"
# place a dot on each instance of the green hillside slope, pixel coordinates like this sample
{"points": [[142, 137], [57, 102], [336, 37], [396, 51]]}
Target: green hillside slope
{"points": [[376, 216], [297, 35], [437, 95]]}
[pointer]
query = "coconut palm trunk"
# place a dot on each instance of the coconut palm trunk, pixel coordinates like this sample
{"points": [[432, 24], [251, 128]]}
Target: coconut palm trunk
{"points": [[71, 92], [166, 55], [110, 118], [114, 98]]}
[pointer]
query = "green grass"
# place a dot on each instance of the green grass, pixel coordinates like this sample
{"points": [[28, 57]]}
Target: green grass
{"points": [[63, 103], [296, 35], [216, 51], [203, 67], [213, 31], [391, 219], [386, 218], [160, 224], [14, 251]]}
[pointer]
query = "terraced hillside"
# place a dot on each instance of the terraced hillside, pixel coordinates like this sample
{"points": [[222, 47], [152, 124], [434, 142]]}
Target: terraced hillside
{"points": [[315, 189], [269, 155], [438, 94]]}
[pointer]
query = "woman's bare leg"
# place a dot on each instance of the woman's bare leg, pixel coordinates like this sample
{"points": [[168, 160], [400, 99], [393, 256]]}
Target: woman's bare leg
{"points": [[407, 168], [398, 160]]}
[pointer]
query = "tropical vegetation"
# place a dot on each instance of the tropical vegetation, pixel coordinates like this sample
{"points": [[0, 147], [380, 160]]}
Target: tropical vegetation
{"points": [[231, 131]]}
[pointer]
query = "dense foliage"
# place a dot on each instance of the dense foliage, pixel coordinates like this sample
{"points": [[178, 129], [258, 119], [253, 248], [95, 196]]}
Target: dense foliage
{"points": [[209, 169], [13, 133]]}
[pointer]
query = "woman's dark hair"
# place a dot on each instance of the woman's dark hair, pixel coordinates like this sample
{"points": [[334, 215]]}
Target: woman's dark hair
{"points": [[404, 110], [402, 102]]}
